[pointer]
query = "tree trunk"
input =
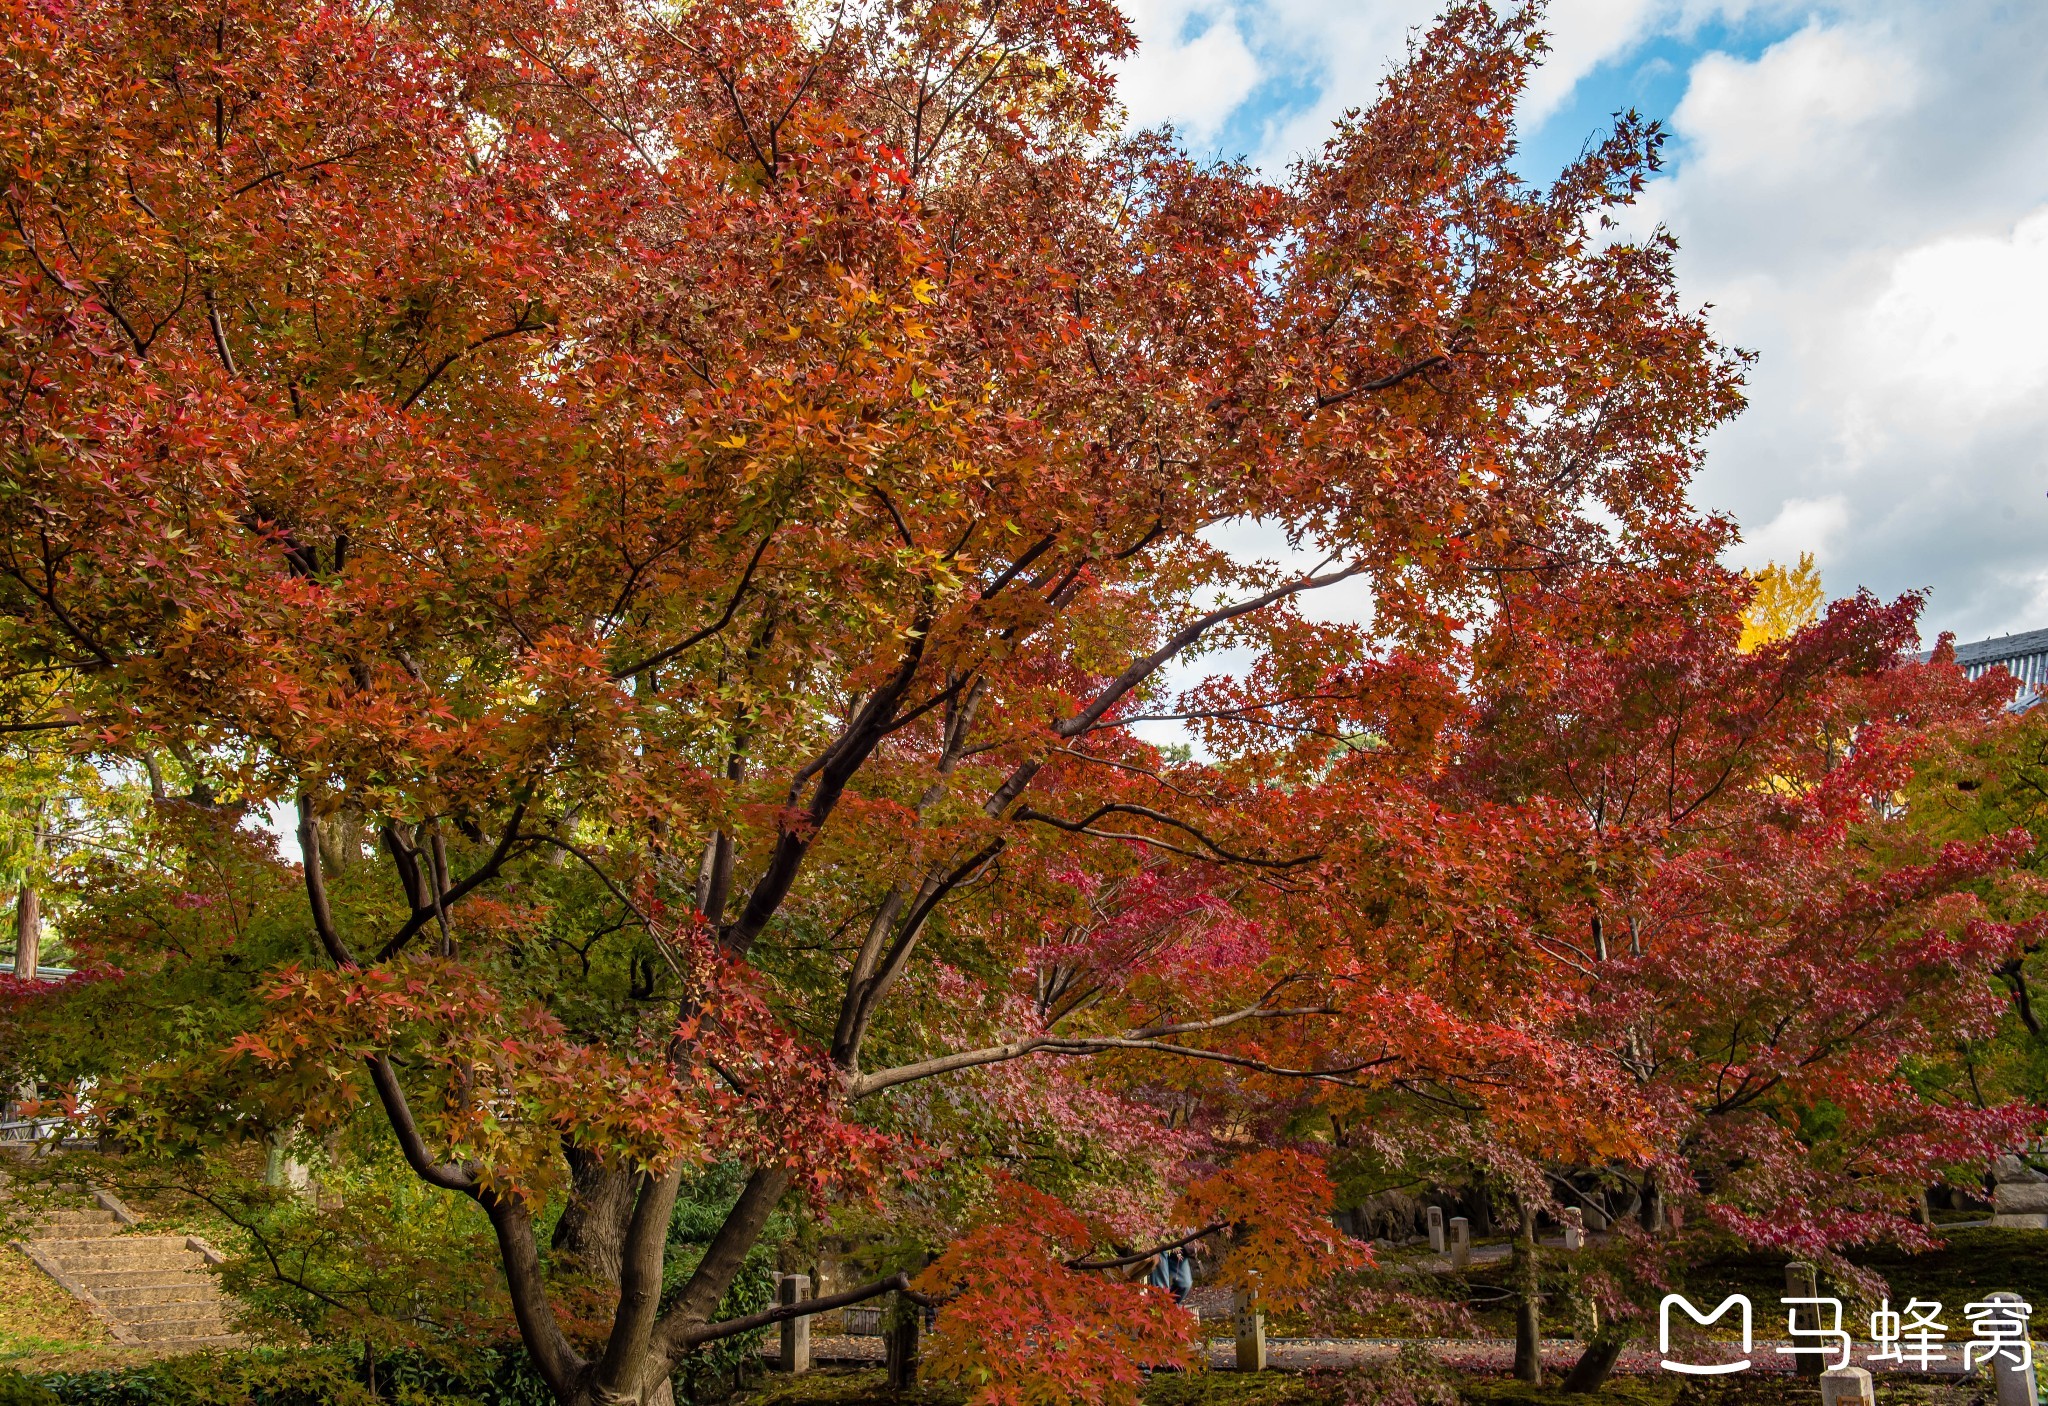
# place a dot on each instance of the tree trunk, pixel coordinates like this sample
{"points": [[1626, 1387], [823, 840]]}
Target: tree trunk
{"points": [[28, 909], [1528, 1299], [1482, 1207], [1596, 1363], [727, 1252], [340, 837], [592, 1230], [655, 1390], [28, 933], [1653, 1203]]}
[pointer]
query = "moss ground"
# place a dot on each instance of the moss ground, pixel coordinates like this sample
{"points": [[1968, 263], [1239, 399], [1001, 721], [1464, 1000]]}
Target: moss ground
{"points": [[1973, 1262]]}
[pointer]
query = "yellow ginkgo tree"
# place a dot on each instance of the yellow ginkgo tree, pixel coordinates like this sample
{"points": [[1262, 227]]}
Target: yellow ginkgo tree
{"points": [[1787, 597]]}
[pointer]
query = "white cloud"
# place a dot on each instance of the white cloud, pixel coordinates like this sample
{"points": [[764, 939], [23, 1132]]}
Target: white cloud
{"points": [[1193, 67], [1802, 525], [1797, 107], [1200, 60], [1958, 331], [1862, 203]]}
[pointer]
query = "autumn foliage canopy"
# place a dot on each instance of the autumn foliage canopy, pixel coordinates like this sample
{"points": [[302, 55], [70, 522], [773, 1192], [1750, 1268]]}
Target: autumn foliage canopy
{"points": [[699, 515]]}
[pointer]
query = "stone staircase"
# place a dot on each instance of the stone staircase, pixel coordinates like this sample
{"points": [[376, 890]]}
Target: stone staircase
{"points": [[152, 1291]]}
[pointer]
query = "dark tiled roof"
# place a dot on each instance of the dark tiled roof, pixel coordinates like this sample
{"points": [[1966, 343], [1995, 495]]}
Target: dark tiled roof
{"points": [[2002, 648], [2024, 655]]}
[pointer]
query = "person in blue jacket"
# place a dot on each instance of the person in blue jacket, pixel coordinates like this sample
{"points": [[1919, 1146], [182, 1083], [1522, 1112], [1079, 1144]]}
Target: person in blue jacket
{"points": [[1174, 1272]]}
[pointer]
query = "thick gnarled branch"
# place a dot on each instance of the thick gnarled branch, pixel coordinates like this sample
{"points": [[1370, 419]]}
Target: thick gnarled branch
{"points": [[1140, 1256]]}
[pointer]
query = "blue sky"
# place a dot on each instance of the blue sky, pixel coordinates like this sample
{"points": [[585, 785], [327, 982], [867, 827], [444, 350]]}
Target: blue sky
{"points": [[1649, 76], [1859, 188]]}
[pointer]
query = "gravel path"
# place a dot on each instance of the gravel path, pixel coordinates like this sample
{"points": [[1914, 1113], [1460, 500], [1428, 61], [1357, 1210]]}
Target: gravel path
{"points": [[836, 1348], [1458, 1354]]}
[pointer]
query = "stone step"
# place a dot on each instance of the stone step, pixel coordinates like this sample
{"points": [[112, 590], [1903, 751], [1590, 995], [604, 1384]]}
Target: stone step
{"points": [[82, 1214], [207, 1326], [128, 1272], [153, 1291], [133, 1315], [124, 1278], [120, 1252], [189, 1289], [77, 1225]]}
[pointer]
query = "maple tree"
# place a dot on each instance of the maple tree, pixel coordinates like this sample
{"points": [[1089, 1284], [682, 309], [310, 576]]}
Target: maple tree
{"points": [[689, 507], [1700, 845], [1976, 782]]}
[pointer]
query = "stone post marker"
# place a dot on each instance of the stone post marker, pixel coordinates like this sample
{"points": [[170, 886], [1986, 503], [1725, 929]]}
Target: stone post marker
{"points": [[1847, 1386], [1250, 1323], [1596, 1219], [1574, 1228], [1801, 1284], [2016, 1384], [796, 1332], [1461, 1242], [1434, 1219]]}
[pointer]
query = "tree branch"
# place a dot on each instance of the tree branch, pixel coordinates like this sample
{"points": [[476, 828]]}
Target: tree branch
{"points": [[1386, 382], [834, 768], [660, 657], [1142, 669], [449, 360], [300, 169], [37, 727], [220, 336], [482, 874], [559, 1363], [722, 1260], [639, 913], [768, 1318], [865, 993], [1019, 566], [316, 888], [639, 1307], [1139, 1256], [398, 1112], [1081, 827], [1151, 1038]]}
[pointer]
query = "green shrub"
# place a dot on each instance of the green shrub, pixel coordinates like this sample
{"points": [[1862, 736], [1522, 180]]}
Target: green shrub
{"points": [[228, 1379], [17, 1390], [490, 1377]]}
